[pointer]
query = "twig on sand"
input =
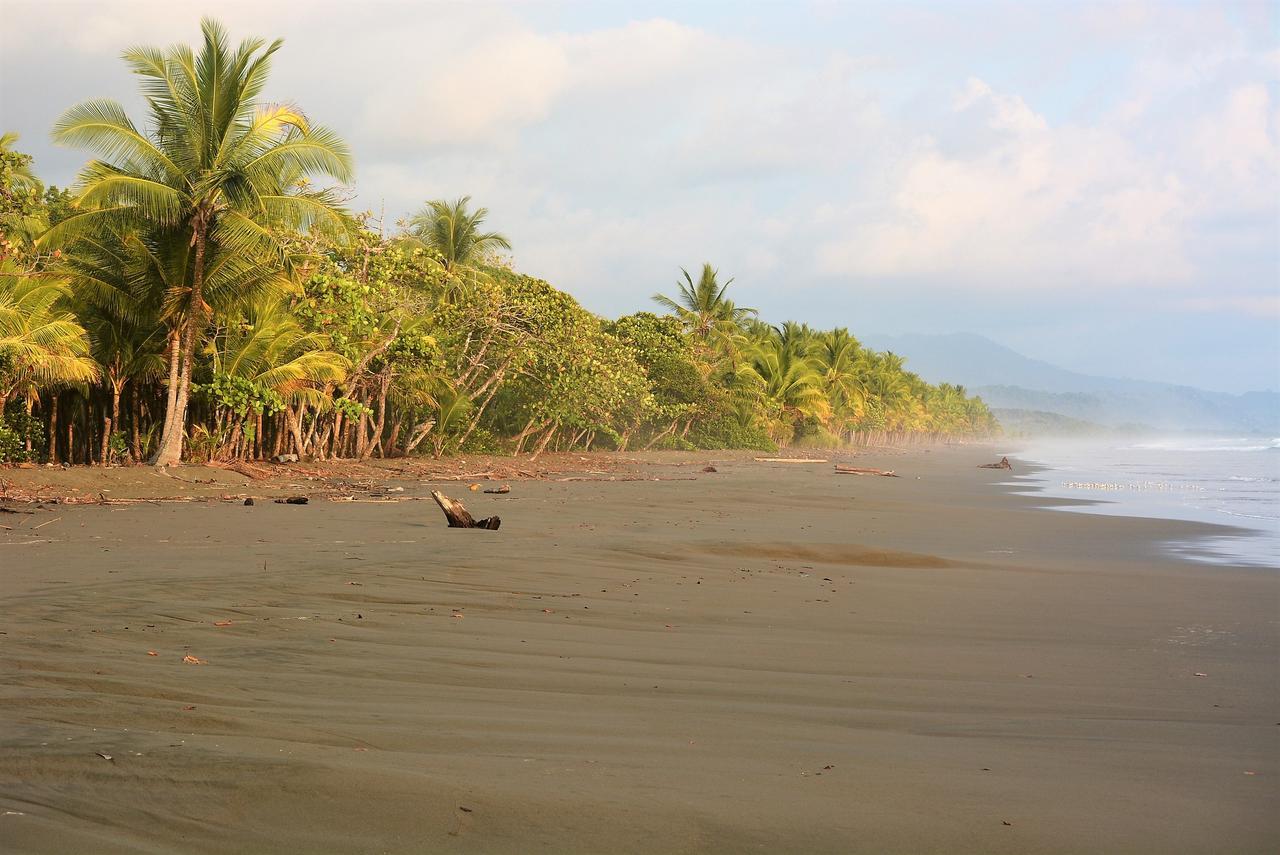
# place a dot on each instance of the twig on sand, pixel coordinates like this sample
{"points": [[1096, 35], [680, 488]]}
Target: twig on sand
{"points": [[45, 523], [789, 460]]}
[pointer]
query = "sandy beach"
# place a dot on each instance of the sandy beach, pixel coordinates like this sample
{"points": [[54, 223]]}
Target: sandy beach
{"points": [[766, 658]]}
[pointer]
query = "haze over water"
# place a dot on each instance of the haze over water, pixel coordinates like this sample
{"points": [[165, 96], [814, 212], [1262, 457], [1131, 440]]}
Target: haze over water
{"points": [[1224, 480]]}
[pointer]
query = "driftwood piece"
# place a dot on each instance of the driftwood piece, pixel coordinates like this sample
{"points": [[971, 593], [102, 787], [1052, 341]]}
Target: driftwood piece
{"points": [[459, 516], [1003, 464], [500, 491], [790, 460], [862, 470], [293, 500]]}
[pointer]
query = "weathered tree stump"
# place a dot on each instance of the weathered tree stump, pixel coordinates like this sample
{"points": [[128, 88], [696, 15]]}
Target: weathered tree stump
{"points": [[459, 516]]}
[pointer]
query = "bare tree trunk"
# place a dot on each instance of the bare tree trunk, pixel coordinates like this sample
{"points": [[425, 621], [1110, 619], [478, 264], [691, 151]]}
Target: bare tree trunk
{"points": [[545, 439]]}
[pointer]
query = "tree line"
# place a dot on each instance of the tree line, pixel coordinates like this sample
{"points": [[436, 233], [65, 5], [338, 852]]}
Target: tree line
{"points": [[202, 293]]}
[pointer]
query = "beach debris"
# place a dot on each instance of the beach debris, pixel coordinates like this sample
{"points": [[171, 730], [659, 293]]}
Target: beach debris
{"points": [[4, 510], [709, 468], [222, 623], [459, 517], [1003, 464], [285, 458], [1005, 822], [153, 653], [192, 660], [105, 756], [188, 707], [1199, 674], [864, 470], [473, 487], [293, 500], [499, 491], [790, 460]]}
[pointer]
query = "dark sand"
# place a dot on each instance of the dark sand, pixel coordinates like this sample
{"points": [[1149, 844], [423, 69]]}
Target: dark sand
{"points": [[770, 658]]}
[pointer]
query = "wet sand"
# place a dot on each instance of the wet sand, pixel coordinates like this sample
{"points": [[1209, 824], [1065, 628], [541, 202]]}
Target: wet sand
{"points": [[769, 658]]}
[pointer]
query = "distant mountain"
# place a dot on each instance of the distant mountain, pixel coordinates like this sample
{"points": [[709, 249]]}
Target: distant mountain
{"points": [[1008, 380]]}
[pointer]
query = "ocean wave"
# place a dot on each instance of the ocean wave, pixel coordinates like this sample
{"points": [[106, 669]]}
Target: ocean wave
{"points": [[1214, 444]]}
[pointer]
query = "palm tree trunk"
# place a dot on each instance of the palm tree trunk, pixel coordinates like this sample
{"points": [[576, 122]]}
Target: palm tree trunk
{"points": [[170, 450], [53, 426], [135, 428]]}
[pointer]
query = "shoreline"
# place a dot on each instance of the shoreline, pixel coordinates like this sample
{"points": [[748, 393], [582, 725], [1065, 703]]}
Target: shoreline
{"points": [[769, 656]]}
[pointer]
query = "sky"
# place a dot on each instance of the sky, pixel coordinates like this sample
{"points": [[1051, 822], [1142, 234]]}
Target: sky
{"points": [[1096, 185]]}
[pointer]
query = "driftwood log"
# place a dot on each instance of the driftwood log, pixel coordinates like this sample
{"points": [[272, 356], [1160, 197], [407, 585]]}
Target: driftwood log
{"points": [[1003, 464], [458, 515], [790, 460], [861, 470]]}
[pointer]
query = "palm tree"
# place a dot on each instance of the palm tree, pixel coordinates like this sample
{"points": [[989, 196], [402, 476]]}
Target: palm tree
{"points": [[453, 231], [703, 308], [269, 351], [41, 343], [842, 362], [789, 383], [214, 165]]}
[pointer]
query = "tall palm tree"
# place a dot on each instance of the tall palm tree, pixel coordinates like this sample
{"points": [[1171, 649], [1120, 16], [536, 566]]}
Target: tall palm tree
{"points": [[703, 307], [213, 164], [453, 231]]}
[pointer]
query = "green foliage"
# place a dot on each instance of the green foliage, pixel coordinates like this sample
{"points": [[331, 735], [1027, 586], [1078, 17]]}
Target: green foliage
{"points": [[17, 431], [351, 410], [239, 395]]}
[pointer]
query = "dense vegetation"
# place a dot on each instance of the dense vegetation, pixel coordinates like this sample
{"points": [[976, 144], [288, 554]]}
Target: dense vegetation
{"points": [[198, 295]]}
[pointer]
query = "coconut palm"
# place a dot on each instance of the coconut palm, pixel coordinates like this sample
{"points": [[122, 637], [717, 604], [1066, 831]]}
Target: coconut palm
{"points": [[703, 308], [41, 343], [268, 351], [453, 231], [215, 165], [842, 363], [789, 383]]}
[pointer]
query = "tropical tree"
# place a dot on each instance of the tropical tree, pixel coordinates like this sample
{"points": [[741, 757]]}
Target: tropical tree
{"points": [[707, 314], [789, 382], [41, 343], [21, 220], [214, 166], [452, 231], [842, 363]]}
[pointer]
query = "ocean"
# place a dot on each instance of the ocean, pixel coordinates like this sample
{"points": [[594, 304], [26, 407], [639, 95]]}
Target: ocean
{"points": [[1226, 480]]}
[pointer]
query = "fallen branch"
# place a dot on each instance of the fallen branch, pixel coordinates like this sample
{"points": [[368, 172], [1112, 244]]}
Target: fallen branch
{"points": [[249, 471], [1003, 464], [459, 517], [789, 460], [860, 470]]}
